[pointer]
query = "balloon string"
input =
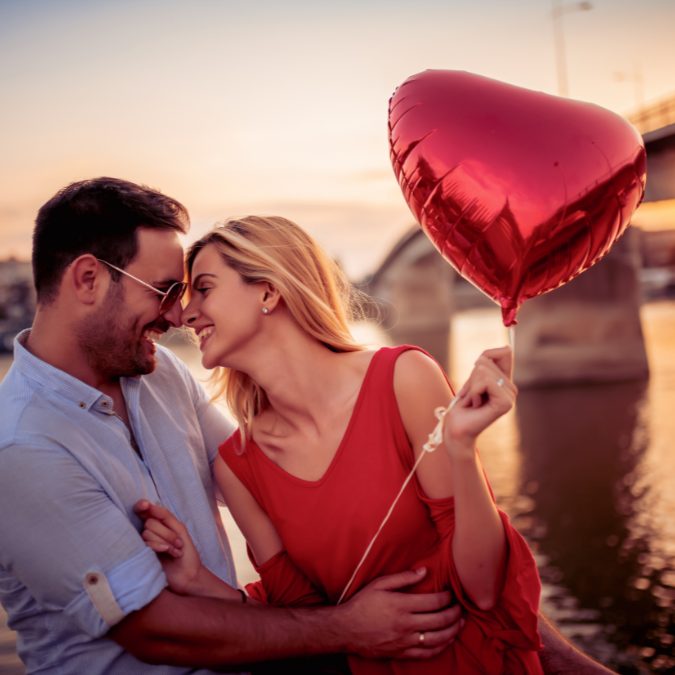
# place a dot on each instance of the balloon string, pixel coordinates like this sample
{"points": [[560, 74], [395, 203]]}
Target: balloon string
{"points": [[434, 440], [512, 344]]}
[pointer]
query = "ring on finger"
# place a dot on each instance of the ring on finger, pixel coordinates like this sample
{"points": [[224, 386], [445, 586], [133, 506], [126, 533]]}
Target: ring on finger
{"points": [[420, 638]]}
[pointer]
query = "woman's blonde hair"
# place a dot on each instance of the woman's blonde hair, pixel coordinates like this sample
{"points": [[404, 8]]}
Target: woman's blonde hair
{"points": [[313, 287]]}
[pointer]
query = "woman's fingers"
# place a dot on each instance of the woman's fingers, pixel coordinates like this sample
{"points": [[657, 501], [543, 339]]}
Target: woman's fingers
{"points": [[493, 367], [163, 521], [477, 399], [161, 531], [489, 366], [161, 539], [502, 357], [146, 509], [484, 388], [484, 385], [487, 394], [159, 545]]}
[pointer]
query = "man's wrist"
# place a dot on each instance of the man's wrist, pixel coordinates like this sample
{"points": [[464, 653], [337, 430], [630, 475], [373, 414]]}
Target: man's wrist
{"points": [[337, 629]]}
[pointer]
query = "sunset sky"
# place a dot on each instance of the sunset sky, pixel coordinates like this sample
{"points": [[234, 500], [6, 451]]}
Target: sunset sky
{"points": [[277, 107]]}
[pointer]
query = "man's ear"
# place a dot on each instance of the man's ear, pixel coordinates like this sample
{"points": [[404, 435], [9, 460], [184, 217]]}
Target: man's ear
{"points": [[87, 278]]}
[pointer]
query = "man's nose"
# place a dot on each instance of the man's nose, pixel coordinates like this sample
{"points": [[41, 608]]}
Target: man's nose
{"points": [[173, 316]]}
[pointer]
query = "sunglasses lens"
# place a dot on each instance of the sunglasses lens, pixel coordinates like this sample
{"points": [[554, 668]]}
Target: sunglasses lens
{"points": [[173, 295]]}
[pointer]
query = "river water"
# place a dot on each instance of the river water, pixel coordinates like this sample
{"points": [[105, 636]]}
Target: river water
{"points": [[587, 473]]}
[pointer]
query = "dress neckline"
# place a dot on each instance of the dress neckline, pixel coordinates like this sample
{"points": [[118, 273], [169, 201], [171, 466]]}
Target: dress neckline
{"points": [[341, 445]]}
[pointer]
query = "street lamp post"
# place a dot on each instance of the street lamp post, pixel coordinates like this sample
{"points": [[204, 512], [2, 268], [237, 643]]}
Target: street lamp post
{"points": [[560, 8]]}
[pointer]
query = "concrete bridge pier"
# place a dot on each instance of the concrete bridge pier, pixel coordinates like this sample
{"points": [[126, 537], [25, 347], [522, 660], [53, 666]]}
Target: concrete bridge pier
{"points": [[588, 330]]}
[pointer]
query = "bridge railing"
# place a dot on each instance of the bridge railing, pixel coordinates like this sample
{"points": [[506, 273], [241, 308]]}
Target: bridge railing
{"points": [[659, 114]]}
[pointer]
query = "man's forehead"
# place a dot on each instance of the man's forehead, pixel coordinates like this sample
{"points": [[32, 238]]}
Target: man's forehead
{"points": [[160, 253]]}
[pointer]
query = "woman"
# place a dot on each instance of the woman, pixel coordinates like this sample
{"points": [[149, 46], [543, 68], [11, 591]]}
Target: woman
{"points": [[328, 431]]}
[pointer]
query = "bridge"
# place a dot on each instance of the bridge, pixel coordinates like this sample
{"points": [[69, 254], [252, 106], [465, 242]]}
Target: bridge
{"points": [[588, 330]]}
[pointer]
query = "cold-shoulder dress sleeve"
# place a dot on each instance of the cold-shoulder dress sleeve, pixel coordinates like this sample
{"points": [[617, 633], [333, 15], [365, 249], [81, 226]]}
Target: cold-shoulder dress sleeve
{"points": [[506, 635], [283, 584]]}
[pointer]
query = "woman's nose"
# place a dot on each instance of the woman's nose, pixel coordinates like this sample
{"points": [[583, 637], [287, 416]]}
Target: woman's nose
{"points": [[189, 314]]}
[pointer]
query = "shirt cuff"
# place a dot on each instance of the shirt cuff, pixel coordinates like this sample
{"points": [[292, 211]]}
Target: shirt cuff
{"points": [[106, 598]]}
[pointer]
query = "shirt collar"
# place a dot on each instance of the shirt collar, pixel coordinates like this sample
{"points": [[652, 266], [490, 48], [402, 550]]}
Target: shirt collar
{"points": [[60, 383]]}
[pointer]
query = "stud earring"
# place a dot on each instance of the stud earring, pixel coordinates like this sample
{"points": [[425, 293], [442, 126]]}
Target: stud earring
{"points": [[265, 310]]}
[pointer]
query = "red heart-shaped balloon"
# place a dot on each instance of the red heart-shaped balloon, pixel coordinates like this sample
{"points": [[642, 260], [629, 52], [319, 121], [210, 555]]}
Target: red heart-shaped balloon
{"points": [[519, 190]]}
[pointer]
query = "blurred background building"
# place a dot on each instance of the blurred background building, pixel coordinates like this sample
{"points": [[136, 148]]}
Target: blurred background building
{"points": [[17, 300]]}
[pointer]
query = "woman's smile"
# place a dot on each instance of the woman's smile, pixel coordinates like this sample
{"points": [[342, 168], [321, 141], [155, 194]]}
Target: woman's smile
{"points": [[204, 334]]}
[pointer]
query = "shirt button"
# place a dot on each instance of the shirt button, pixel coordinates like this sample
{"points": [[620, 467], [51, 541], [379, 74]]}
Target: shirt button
{"points": [[92, 579], [82, 404]]}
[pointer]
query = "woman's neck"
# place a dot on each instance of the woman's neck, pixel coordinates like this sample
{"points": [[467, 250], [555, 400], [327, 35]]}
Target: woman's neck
{"points": [[301, 377]]}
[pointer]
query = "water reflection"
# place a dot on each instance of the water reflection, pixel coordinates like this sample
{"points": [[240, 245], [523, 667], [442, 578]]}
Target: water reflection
{"points": [[587, 506]]}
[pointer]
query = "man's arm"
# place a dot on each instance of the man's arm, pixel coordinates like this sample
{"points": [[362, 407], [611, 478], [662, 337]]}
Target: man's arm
{"points": [[206, 632], [561, 657], [68, 543]]}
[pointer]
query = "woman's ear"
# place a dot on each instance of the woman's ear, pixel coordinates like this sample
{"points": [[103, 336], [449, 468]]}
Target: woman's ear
{"points": [[87, 279], [270, 297]]}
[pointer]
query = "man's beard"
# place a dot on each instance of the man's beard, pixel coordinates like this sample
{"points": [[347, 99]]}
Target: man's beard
{"points": [[113, 342]]}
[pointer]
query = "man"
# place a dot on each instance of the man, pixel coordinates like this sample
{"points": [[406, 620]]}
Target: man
{"points": [[96, 417]]}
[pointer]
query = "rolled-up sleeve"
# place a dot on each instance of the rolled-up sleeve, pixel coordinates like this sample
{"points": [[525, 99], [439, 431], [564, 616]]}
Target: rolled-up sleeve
{"points": [[69, 542]]}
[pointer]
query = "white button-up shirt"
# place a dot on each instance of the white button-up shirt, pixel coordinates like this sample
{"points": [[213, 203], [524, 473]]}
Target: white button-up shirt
{"points": [[72, 562]]}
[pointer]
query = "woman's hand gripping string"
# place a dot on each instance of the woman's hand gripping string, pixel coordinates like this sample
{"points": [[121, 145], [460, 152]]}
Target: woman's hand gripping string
{"points": [[488, 394]]}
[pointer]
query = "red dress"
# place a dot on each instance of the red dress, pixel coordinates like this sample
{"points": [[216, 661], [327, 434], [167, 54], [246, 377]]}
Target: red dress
{"points": [[325, 526]]}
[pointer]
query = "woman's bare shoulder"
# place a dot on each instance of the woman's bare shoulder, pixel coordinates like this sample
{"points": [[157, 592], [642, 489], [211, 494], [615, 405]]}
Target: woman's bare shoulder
{"points": [[413, 364]]}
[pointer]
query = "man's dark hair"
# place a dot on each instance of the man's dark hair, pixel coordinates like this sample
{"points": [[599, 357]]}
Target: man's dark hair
{"points": [[100, 216]]}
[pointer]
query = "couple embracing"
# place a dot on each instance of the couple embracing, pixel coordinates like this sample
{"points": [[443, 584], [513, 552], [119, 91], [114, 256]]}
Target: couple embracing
{"points": [[112, 555]]}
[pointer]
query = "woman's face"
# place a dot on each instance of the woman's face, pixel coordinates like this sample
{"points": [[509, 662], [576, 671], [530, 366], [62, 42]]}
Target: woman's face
{"points": [[224, 311]]}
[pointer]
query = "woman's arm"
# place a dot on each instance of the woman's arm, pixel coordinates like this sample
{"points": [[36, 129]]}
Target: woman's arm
{"points": [[282, 583], [169, 538], [252, 520], [478, 544]]}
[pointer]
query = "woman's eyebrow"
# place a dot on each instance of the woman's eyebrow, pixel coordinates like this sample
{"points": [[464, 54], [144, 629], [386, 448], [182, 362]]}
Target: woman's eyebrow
{"points": [[199, 277]]}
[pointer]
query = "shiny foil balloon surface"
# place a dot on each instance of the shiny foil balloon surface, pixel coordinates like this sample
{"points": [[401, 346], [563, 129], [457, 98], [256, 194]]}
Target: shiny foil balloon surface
{"points": [[519, 190]]}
